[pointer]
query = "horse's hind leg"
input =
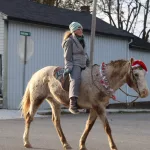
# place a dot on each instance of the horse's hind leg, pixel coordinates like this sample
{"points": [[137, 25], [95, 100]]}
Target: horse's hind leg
{"points": [[56, 121], [101, 113], [34, 105], [89, 124]]}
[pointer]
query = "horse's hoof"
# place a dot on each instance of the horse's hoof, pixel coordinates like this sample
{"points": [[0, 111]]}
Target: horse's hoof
{"points": [[27, 145], [67, 146], [114, 148], [83, 148]]}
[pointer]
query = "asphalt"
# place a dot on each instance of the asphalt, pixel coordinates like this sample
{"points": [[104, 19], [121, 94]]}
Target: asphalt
{"points": [[130, 131]]}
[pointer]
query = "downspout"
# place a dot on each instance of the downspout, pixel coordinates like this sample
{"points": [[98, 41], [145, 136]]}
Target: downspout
{"points": [[5, 63], [128, 57]]}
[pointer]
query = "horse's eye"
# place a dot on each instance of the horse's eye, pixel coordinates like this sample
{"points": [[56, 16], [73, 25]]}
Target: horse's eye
{"points": [[136, 75]]}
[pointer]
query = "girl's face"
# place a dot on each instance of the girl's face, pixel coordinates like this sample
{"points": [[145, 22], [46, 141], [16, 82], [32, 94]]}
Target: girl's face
{"points": [[79, 32]]}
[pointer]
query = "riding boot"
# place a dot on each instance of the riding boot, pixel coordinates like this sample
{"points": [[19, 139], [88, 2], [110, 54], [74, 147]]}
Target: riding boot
{"points": [[73, 108]]}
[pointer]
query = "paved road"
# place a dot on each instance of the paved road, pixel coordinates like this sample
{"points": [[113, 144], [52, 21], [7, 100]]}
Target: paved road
{"points": [[130, 131]]}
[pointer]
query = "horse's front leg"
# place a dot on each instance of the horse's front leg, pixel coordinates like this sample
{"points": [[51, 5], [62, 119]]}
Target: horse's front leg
{"points": [[89, 124], [102, 115]]}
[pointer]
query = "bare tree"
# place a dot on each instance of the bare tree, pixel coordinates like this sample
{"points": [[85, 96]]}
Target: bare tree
{"points": [[48, 2], [124, 14], [121, 13], [68, 4], [107, 7], [133, 15], [145, 31]]}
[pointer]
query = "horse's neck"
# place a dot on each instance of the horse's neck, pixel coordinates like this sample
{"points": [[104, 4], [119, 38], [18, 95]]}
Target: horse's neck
{"points": [[117, 75]]}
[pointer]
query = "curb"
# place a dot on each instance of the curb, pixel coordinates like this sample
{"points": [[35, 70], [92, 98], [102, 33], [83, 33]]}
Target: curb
{"points": [[128, 110], [16, 114], [66, 111]]}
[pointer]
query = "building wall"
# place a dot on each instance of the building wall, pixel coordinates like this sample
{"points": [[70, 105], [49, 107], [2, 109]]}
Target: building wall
{"points": [[145, 57], [48, 51], [1, 34], [1, 55]]}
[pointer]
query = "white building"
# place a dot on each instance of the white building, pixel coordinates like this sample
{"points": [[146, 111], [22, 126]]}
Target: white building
{"points": [[46, 25]]}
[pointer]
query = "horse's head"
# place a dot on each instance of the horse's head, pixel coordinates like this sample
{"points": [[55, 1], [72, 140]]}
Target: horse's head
{"points": [[136, 77]]}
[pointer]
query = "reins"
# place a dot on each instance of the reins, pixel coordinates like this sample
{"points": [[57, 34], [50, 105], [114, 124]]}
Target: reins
{"points": [[136, 97]]}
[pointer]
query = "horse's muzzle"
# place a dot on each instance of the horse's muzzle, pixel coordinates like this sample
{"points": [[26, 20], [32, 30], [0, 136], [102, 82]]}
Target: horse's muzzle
{"points": [[144, 93]]}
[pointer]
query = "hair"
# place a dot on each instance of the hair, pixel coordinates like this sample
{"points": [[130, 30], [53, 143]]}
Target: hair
{"points": [[66, 35], [119, 63]]}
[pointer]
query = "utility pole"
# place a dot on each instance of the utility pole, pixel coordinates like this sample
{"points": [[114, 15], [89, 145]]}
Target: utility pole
{"points": [[93, 26]]}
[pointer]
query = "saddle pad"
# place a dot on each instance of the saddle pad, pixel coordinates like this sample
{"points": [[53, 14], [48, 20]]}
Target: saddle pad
{"points": [[64, 81]]}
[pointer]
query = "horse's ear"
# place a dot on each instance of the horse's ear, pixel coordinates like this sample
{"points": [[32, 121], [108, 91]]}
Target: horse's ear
{"points": [[132, 60]]}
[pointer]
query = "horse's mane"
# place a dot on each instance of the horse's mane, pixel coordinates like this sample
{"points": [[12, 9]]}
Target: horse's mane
{"points": [[118, 63]]}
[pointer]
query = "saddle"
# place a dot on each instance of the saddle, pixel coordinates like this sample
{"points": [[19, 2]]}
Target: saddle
{"points": [[64, 81]]}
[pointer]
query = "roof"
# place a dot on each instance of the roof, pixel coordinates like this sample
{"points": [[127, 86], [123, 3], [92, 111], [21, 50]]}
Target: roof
{"points": [[139, 43], [26, 10], [29, 11]]}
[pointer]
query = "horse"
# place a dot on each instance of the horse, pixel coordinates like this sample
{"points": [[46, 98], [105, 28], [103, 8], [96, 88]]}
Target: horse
{"points": [[94, 95]]}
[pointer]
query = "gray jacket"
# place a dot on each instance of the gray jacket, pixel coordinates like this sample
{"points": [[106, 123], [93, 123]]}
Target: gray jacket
{"points": [[74, 53]]}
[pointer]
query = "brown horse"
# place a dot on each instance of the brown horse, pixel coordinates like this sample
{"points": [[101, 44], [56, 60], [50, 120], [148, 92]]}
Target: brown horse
{"points": [[43, 85]]}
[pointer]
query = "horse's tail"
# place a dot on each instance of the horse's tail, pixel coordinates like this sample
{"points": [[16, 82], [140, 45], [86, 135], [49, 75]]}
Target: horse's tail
{"points": [[25, 103]]}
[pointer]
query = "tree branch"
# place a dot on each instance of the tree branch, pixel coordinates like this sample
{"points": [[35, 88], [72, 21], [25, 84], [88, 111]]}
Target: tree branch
{"points": [[145, 20], [147, 35]]}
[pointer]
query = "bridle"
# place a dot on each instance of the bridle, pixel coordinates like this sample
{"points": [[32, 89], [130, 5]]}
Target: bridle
{"points": [[135, 81]]}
